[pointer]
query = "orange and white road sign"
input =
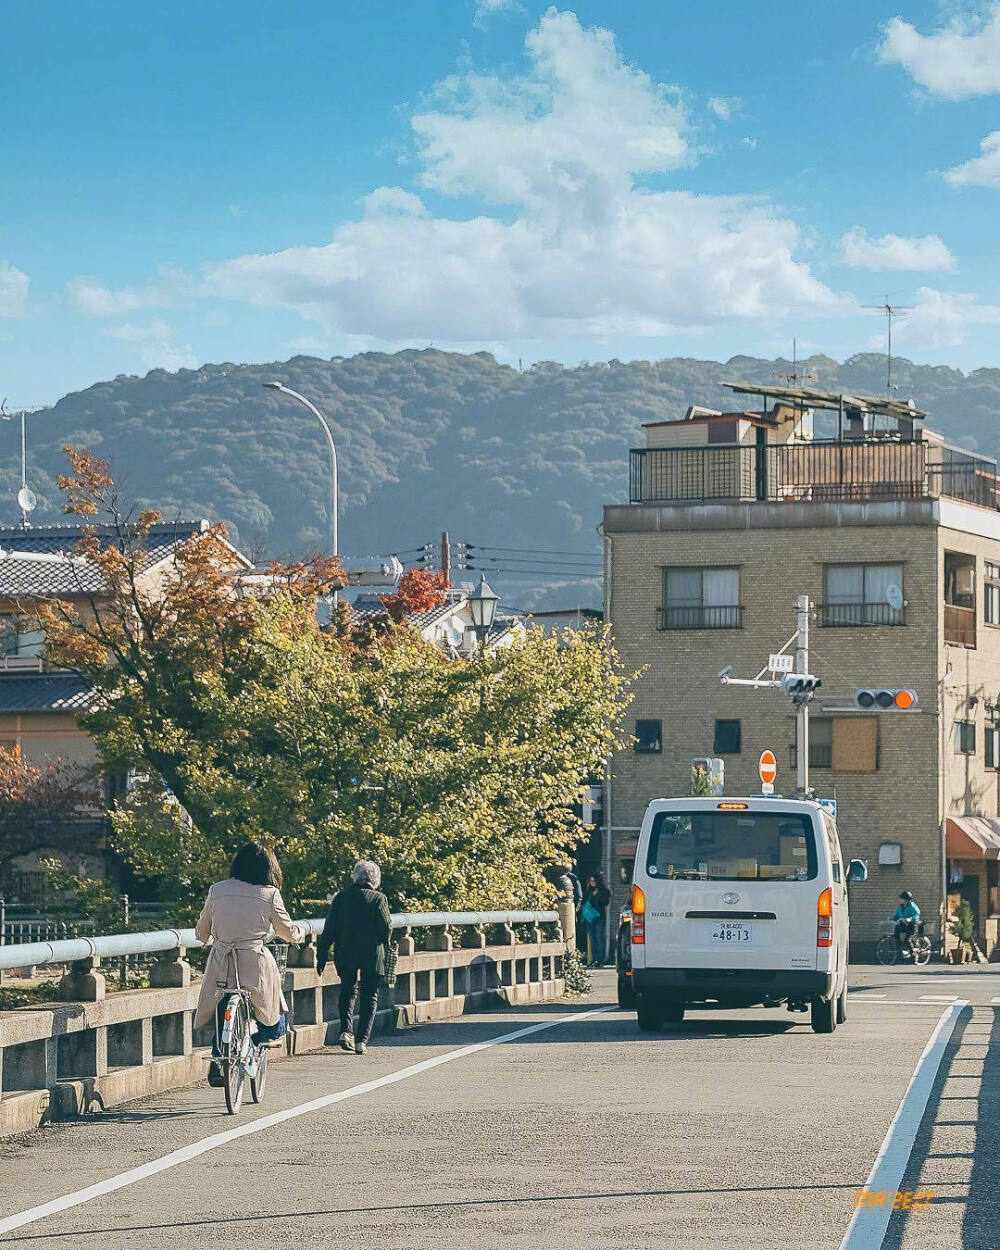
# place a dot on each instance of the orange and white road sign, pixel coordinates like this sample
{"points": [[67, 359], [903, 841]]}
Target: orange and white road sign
{"points": [[768, 768]]}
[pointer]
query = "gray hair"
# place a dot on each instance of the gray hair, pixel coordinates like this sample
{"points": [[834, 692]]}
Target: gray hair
{"points": [[367, 873]]}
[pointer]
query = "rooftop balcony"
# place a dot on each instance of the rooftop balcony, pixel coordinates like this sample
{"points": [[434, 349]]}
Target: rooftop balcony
{"points": [[818, 471]]}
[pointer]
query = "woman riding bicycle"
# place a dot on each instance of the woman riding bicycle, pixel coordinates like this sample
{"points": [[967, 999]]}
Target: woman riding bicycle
{"points": [[906, 917], [238, 915]]}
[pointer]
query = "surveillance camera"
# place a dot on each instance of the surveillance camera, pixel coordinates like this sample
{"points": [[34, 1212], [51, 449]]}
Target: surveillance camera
{"points": [[724, 673]]}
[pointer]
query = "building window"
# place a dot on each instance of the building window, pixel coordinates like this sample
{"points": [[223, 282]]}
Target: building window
{"points": [[844, 744], [965, 737], [705, 598], [991, 594], [863, 594], [992, 747], [959, 599], [648, 737], [19, 638], [728, 737]]}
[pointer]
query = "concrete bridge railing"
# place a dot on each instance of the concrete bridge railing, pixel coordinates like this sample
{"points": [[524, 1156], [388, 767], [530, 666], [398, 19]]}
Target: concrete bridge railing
{"points": [[93, 1049]]}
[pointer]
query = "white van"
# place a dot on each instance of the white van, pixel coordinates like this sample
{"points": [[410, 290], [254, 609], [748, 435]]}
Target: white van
{"points": [[740, 901]]}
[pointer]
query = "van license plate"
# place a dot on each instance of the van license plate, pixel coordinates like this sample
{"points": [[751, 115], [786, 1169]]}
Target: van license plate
{"points": [[732, 933]]}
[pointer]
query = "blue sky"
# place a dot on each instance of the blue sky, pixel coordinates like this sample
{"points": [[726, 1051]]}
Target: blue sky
{"points": [[208, 182]]}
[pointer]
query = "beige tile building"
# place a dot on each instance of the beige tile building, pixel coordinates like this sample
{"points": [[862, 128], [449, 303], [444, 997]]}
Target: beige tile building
{"points": [[732, 516]]}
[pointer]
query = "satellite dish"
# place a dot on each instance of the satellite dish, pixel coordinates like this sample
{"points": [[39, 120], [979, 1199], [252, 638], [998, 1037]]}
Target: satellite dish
{"points": [[26, 499], [894, 597]]}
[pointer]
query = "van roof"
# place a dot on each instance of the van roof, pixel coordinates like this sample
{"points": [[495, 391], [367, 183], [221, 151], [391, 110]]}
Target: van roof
{"points": [[756, 802]]}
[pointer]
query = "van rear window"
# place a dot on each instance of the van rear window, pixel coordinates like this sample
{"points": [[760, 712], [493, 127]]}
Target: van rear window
{"points": [[731, 846]]}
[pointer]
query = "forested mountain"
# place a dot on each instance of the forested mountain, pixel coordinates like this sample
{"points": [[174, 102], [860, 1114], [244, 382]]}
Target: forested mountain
{"points": [[428, 441]]}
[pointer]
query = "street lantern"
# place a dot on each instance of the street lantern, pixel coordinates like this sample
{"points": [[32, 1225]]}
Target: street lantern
{"points": [[483, 606]]}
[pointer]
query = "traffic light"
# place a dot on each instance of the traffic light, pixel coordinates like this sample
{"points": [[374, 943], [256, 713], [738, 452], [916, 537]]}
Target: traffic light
{"points": [[902, 699], [800, 683]]}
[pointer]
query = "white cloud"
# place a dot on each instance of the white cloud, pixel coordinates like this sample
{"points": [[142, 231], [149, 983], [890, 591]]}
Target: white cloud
{"points": [[724, 107], [893, 251], [93, 298], [587, 246], [155, 345], [490, 8], [980, 171], [942, 318], [13, 290], [959, 61], [749, 141]]}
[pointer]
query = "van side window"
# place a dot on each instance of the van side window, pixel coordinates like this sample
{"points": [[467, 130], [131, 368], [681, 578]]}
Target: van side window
{"points": [[834, 843]]}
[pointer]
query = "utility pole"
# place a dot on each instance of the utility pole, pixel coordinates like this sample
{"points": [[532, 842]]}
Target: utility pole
{"points": [[802, 702], [446, 557]]}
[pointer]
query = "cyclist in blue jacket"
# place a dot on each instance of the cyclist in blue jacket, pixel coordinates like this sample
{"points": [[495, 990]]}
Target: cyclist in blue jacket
{"points": [[907, 917]]}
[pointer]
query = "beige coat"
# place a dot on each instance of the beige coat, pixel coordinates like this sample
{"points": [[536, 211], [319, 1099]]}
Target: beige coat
{"points": [[237, 917]]}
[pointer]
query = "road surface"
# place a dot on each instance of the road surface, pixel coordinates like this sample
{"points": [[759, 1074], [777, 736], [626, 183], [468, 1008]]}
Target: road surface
{"points": [[742, 1130]]}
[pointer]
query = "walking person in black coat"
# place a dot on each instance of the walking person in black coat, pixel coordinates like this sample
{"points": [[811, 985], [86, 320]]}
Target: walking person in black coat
{"points": [[358, 927]]}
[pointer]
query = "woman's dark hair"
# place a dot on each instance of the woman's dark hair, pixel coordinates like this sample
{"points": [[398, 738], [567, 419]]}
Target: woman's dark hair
{"points": [[256, 864]]}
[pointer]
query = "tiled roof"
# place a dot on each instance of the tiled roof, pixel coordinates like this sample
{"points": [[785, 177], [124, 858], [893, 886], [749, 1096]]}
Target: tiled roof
{"points": [[23, 574], [44, 692], [58, 539]]}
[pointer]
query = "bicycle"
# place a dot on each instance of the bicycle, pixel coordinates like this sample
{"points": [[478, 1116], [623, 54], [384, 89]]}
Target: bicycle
{"points": [[887, 952], [242, 1057]]}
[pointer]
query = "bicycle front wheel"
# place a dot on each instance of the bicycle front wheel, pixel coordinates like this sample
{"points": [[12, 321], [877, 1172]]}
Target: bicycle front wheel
{"points": [[886, 951], [232, 1059], [922, 952]]}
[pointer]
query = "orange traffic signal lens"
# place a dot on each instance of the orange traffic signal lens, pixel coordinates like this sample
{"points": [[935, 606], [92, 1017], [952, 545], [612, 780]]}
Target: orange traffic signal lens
{"points": [[824, 905], [905, 698], [638, 902]]}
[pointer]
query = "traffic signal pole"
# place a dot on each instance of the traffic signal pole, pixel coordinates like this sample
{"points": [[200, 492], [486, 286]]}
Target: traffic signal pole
{"points": [[802, 710]]}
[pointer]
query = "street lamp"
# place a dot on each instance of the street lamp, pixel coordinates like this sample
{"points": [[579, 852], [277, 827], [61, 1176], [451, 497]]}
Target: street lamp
{"points": [[483, 606], [334, 473]]}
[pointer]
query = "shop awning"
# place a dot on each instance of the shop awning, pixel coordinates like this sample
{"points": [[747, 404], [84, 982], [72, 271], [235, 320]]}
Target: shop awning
{"points": [[972, 837]]}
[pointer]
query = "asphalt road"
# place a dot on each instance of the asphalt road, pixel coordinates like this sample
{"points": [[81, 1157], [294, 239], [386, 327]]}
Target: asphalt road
{"points": [[742, 1129]]}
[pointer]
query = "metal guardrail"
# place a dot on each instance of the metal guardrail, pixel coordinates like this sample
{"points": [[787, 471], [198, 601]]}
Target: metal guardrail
{"points": [[116, 945]]}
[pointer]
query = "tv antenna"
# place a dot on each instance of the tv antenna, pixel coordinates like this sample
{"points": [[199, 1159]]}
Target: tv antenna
{"points": [[889, 311], [27, 501], [795, 377]]}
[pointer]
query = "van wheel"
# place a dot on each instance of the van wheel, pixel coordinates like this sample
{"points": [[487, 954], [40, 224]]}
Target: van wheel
{"points": [[842, 1004], [626, 994], [824, 1015], [648, 1013], [673, 1010]]}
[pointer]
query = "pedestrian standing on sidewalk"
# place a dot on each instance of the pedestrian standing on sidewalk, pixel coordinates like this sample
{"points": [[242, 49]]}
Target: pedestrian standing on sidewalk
{"points": [[358, 927], [594, 914]]}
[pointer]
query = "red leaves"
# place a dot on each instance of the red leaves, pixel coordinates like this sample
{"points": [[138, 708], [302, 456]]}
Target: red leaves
{"points": [[419, 590]]}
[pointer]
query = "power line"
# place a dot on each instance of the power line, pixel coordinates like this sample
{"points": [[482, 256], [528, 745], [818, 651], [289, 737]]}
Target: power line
{"points": [[534, 551]]}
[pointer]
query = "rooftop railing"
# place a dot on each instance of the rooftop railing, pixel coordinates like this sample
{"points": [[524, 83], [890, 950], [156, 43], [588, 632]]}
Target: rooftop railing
{"points": [[815, 472]]}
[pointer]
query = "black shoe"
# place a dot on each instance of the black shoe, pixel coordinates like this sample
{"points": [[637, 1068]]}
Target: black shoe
{"points": [[215, 1075]]}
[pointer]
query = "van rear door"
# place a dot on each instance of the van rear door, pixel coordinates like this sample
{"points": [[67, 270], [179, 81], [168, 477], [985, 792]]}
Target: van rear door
{"points": [[731, 883]]}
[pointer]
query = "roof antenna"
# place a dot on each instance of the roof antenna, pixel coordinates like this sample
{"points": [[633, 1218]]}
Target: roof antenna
{"points": [[890, 311], [26, 498], [795, 377]]}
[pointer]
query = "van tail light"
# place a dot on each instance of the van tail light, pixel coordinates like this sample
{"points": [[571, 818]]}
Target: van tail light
{"points": [[824, 918], [638, 916]]}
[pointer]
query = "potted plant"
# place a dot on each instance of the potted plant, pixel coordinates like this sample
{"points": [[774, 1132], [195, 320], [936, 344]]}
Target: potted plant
{"points": [[963, 928]]}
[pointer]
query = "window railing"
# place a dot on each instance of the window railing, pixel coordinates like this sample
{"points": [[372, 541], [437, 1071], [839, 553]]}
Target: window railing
{"points": [[817, 472], [959, 626], [700, 617], [847, 615]]}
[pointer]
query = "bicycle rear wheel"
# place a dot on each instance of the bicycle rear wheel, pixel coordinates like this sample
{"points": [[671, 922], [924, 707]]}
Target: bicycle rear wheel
{"points": [[232, 1052], [922, 951], [259, 1080], [886, 951]]}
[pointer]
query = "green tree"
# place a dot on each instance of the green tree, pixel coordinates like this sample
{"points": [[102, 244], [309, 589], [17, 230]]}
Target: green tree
{"points": [[459, 776]]}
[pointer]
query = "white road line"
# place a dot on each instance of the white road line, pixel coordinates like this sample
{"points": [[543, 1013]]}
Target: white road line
{"points": [[186, 1153], [938, 998], [896, 1002], [868, 1224], [995, 1000], [867, 994]]}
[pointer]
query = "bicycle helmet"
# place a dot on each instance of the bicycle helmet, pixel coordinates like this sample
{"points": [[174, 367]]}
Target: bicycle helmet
{"points": [[906, 896]]}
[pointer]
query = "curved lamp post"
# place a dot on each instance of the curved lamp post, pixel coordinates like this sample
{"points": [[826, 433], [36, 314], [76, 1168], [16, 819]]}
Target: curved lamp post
{"points": [[282, 389]]}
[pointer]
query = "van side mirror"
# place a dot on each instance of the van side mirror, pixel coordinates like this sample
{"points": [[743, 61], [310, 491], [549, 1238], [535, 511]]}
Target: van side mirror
{"points": [[857, 870]]}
